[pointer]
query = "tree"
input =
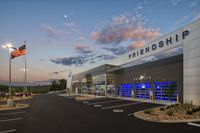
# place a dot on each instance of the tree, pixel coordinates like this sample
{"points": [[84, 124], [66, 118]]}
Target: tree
{"points": [[62, 84], [3, 88], [170, 91], [54, 85], [58, 85]]}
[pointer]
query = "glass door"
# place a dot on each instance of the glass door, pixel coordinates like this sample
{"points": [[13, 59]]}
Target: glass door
{"points": [[162, 90], [142, 90]]}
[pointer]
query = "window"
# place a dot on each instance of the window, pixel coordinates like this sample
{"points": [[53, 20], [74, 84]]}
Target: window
{"points": [[142, 90]]}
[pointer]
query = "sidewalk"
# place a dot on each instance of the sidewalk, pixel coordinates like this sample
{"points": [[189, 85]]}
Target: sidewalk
{"points": [[121, 98], [86, 95], [141, 100]]}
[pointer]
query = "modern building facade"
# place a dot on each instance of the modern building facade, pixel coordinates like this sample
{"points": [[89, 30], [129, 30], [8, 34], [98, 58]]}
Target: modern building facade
{"points": [[134, 75]]}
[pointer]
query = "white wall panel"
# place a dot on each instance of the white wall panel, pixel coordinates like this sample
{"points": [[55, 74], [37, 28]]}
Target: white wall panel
{"points": [[191, 61]]}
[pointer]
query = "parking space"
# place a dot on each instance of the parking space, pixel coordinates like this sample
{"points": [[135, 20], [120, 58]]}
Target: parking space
{"points": [[9, 120], [128, 107], [95, 100], [68, 115], [52, 114], [129, 110], [104, 101], [196, 124]]}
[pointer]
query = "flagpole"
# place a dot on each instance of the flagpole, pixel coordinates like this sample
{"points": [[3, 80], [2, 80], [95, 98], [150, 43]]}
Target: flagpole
{"points": [[25, 76]]}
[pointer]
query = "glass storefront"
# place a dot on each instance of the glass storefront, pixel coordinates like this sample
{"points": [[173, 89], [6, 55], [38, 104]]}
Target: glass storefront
{"points": [[142, 90], [127, 90], [162, 91]]}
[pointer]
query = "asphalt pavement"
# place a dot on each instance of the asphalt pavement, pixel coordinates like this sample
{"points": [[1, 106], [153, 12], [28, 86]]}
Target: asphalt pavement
{"points": [[56, 114]]}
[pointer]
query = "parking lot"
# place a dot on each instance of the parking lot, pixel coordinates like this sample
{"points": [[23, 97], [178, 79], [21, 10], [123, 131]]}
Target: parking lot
{"points": [[53, 114], [9, 120], [127, 107]]}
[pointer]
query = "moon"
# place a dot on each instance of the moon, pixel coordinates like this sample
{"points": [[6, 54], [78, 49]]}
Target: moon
{"points": [[65, 16]]}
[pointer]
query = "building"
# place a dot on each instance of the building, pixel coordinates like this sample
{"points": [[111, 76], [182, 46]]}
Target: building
{"points": [[152, 71]]}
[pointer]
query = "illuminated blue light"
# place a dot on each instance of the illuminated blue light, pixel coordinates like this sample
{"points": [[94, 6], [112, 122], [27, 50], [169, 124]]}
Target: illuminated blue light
{"points": [[160, 89], [127, 90], [142, 90], [118, 91]]}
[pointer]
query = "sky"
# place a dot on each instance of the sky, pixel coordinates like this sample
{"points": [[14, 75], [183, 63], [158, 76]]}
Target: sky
{"points": [[82, 34]]}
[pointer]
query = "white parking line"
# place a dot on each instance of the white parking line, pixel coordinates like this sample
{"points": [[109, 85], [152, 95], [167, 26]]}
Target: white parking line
{"points": [[194, 124], [12, 113], [130, 114], [121, 105], [96, 99], [105, 102], [8, 131], [15, 119]]}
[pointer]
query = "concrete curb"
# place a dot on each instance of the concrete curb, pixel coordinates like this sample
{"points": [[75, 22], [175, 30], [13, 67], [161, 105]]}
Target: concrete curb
{"points": [[26, 106], [27, 98], [141, 100], [167, 121]]}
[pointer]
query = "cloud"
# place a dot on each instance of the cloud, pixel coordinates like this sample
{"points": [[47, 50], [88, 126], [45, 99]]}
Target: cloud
{"points": [[63, 71], [95, 36], [42, 60], [193, 3], [55, 73], [105, 57], [190, 3], [82, 38], [135, 45], [71, 26], [116, 50], [124, 27], [83, 49], [182, 19], [80, 59], [191, 16], [120, 49], [176, 2], [51, 31], [69, 61], [197, 16]]}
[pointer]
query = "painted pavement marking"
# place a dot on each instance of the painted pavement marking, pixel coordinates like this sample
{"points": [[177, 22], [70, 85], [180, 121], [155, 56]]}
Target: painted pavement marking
{"points": [[121, 105]]}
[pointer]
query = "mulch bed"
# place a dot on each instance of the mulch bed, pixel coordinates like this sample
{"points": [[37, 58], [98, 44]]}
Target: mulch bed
{"points": [[173, 113]]}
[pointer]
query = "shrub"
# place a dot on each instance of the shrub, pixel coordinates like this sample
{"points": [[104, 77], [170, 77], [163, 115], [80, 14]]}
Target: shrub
{"points": [[148, 112], [198, 109], [177, 104], [170, 113], [189, 112], [185, 106], [194, 110], [172, 106], [162, 109]]}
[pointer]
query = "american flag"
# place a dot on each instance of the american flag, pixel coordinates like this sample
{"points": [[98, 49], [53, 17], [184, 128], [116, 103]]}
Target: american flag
{"points": [[18, 52]]}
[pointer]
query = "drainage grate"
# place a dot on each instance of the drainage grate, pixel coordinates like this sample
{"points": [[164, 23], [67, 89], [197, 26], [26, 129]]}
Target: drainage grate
{"points": [[118, 110]]}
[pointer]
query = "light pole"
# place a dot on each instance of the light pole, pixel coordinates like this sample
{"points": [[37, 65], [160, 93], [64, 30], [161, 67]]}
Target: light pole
{"points": [[69, 80], [31, 85], [10, 47], [25, 70]]}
